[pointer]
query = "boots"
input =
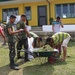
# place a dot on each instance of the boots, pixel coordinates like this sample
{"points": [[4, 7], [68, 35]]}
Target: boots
{"points": [[18, 55], [26, 57], [13, 65]]}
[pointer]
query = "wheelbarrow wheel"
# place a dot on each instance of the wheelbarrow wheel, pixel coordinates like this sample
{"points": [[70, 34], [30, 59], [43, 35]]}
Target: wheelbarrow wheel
{"points": [[51, 60]]}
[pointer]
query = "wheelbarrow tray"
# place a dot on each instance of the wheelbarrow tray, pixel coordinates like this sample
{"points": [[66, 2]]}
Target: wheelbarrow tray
{"points": [[44, 53]]}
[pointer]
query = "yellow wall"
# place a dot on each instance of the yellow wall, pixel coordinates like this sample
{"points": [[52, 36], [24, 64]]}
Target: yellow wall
{"points": [[19, 6], [66, 20], [0, 14], [34, 12]]}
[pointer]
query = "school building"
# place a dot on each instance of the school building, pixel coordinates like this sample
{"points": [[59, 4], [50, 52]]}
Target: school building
{"points": [[39, 12]]}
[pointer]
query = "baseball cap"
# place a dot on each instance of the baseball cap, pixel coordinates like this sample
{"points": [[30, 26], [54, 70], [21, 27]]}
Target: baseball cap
{"points": [[12, 16]]}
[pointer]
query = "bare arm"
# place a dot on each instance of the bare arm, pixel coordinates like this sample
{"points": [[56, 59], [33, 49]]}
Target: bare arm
{"points": [[14, 32], [61, 24], [25, 29]]}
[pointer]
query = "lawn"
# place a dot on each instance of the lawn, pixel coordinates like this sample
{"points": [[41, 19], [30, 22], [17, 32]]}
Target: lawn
{"points": [[35, 67]]}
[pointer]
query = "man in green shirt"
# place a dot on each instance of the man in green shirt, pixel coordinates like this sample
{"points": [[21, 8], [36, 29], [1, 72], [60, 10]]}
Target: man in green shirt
{"points": [[22, 36], [59, 40], [10, 35]]}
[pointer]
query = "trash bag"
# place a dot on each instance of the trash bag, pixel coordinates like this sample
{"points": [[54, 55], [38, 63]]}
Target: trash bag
{"points": [[30, 47]]}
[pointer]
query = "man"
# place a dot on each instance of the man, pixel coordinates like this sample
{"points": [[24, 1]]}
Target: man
{"points": [[22, 37], [56, 25], [10, 35], [37, 42], [58, 40]]}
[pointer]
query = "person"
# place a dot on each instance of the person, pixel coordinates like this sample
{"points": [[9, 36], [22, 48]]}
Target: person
{"points": [[22, 37], [34, 42], [2, 34], [11, 43], [37, 40], [58, 40], [56, 25]]}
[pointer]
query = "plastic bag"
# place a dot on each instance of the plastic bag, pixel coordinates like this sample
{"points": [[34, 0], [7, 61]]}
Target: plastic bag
{"points": [[30, 47]]}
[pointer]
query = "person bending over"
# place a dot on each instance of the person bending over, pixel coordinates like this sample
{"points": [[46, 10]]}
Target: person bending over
{"points": [[59, 40]]}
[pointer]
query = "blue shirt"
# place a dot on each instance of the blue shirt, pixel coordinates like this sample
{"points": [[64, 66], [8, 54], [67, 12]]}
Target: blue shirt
{"points": [[54, 22]]}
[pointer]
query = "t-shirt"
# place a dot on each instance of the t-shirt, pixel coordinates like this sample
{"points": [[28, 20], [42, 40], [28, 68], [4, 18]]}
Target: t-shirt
{"points": [[10, 36], [56, 26], [59, 37], [21, 25]]}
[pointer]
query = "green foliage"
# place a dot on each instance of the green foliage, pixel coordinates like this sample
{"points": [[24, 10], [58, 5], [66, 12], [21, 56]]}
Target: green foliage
{"points": [[51, 20]]}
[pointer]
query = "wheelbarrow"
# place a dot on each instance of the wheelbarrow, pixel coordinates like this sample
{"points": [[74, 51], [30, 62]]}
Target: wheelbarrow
{"points": [[51, 56]]}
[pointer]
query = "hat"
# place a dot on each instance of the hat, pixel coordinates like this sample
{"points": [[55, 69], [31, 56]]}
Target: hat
{"points": [[23, 15], [12, 16]]}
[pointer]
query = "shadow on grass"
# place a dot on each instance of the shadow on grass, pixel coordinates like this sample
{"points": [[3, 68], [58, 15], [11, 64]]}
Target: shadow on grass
{"points": [[5, 70], [60, 62], [44, 69], [20, 61]]}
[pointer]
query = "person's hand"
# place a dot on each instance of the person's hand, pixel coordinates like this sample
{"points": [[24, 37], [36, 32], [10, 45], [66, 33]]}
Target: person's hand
{"points": [[62, 26], [60, 20], [29, 36], [21, 30], [61, 23]]}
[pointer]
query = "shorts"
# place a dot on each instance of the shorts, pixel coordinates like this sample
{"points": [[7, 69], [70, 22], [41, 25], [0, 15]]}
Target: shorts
{"points": [[65, 42]]}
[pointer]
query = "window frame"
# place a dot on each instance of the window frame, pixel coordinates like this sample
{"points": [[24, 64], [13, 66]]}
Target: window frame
{"points": [[30, 12], [62, 9], [8, 11]]}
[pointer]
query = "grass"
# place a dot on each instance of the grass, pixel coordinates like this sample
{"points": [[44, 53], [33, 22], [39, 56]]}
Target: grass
{"points": [[35, 67]]}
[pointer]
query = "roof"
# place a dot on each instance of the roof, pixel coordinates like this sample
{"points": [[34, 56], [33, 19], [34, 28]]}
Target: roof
{"points": [[19, 1]]}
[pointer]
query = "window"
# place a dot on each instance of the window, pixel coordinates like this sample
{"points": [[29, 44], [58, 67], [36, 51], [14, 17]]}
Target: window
{"points": [[5, 14], [8, 12], [58, 10], [65, 10], [72, 14], [28, 12]]}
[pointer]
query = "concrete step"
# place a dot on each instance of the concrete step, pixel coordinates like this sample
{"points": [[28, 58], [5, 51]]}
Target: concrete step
{"points": [[36, 29]]}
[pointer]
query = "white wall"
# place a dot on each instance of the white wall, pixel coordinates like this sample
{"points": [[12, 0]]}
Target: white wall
{"points": [[67, 28]]}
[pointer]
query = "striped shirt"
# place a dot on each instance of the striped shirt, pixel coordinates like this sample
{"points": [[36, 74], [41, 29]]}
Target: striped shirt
{"points": [[59, 37]]}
